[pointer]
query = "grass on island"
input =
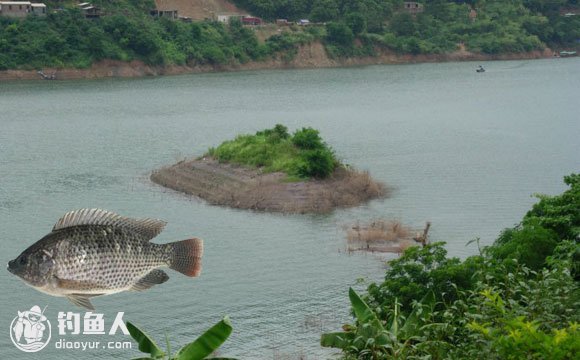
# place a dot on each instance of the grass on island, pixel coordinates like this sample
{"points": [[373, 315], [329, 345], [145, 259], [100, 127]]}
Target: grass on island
{"points": [[301, 155]]}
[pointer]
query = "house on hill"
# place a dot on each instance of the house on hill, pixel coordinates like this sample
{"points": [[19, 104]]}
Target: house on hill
{"points": [[413, 7], [226, 18], [38, 9], [168, 14], [202, 10], [14, 8], [89, 10], [251, 20], [19, 9]]}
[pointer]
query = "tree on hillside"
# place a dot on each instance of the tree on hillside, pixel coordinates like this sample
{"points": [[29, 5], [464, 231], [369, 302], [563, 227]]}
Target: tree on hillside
{"points": [[324, 10]]}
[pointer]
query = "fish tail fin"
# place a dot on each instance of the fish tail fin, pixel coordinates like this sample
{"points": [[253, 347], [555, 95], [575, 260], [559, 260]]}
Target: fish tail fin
{"points": [[186, 256]]}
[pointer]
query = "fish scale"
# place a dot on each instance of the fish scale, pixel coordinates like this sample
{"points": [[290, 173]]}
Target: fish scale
{"points": [[102, 258], [93, 252]]}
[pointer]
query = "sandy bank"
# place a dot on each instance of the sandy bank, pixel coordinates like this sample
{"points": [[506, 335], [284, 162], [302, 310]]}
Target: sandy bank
{"points": [[245, 188], [311, 55]]}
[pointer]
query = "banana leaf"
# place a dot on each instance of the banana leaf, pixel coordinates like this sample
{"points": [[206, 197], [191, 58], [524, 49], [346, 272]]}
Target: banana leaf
{"points": [[207, 343], [395, 325], [362, 311], [369, 324], [146, 344], [339, 340], [413, 322]]}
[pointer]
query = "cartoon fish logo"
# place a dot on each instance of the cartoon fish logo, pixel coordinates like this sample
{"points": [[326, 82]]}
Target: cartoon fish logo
{"points": [[93, 252]]}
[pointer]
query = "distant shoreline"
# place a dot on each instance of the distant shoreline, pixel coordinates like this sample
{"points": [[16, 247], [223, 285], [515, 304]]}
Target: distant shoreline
{"points": [[308, 56], [242, 187]]}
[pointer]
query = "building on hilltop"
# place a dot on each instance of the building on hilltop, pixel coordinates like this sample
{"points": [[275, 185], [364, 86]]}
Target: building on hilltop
{"points": [[89, 10], [244, 19], [251, 20], [38, 9], [14, 8], [226, 18], [21, 9], [413, 7], [168, 14]]}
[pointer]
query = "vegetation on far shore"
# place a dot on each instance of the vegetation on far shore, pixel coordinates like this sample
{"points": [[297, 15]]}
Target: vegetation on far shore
{"points": [[302, 155], [127, 32], [518, 299], [359, 28]]}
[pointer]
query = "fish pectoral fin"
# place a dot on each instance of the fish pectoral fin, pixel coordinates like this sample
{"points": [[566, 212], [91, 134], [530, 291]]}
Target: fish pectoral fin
{"points": [[81, 300], [154, 277]]}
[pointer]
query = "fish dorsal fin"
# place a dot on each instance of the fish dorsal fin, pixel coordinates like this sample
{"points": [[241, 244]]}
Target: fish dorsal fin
{"points": [[148, 228]]}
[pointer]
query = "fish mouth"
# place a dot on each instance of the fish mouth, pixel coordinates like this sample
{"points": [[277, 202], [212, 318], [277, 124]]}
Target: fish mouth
{"points": [[10, 266]]}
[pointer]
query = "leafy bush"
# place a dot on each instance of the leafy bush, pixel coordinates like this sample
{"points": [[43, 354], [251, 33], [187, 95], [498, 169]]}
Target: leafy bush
{"points": [[302, 155], [276, 134], [339, 33], [421, 270], [523, 315], [318, 163], [560, 213], [529, 244], [551, 221], [307, 139]]}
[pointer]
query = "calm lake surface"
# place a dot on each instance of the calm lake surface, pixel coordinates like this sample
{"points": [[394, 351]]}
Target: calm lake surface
{"points": [[462, 150]]}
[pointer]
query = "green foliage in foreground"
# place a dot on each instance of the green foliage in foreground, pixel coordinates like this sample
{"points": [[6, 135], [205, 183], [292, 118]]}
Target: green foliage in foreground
{"points": [[551, 220], [303, 154], [373, 340], [199, 349], [518, 299]]}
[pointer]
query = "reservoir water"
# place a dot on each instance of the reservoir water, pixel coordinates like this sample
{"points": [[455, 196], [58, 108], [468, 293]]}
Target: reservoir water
{"points": [[463, 150]]}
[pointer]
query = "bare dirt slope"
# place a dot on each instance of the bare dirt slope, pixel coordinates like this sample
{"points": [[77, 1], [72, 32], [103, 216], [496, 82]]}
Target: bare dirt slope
{"points": [[199, 9], [245, 188]]}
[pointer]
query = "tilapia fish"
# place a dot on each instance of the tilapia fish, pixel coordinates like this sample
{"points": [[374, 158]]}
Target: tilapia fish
{"points": [[92, 252]]}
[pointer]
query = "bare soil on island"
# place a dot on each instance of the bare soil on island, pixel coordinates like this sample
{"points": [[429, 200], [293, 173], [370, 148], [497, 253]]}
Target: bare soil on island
{"points": [[247, 188]]}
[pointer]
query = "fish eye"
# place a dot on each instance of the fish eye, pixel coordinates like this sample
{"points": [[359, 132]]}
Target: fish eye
{"points": [[23, 260]]}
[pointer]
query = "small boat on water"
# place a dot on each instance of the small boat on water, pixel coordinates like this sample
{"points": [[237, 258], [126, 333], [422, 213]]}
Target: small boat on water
{"points": [[480, 69], [46, 76], [567, 53]]}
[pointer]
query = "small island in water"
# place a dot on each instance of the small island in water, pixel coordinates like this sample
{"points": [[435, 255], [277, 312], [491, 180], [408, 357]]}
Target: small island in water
{"points": [[273, 170]]}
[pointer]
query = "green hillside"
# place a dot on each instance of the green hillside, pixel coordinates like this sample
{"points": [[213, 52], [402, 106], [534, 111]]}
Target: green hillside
{"points": [[496, 26], [126, 31]]}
